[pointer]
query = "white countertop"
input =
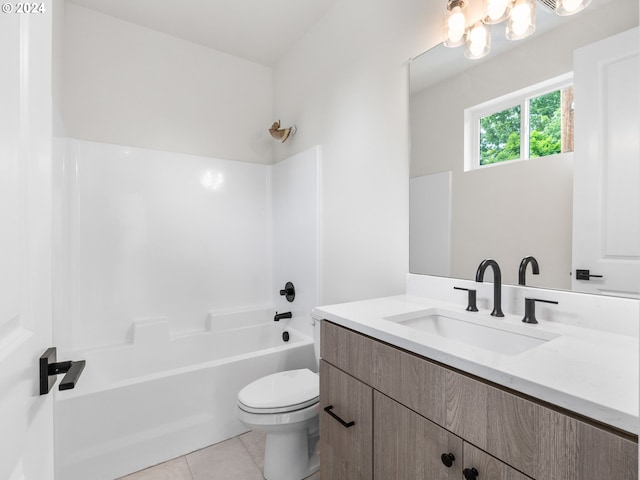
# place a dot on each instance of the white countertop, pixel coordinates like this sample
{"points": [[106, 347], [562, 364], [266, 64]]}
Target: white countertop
{"points": [[590, 372]]}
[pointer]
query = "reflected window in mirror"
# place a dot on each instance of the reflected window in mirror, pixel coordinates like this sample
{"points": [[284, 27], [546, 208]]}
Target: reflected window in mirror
{"points": [[500, 136], [533, 122]]}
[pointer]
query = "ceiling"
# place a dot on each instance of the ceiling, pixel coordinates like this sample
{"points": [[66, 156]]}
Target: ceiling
{"points": [[257, 30]]}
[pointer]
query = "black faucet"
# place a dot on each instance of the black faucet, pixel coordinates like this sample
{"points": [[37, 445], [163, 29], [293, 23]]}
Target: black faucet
{"points": [[280, 316], [523, 269], [497, 284]]}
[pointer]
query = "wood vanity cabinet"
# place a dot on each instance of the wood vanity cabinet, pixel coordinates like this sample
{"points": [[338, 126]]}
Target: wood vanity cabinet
{"points": [[414, 417]]}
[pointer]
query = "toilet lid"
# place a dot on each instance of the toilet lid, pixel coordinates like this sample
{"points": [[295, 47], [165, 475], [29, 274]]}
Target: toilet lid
{"points": [[281, 392]]}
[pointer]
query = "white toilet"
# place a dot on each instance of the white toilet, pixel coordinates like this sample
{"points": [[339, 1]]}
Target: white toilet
{"points": [[285, 406]]}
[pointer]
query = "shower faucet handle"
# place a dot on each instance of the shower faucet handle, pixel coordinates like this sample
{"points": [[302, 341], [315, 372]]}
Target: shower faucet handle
{"points": [[289, 292]]}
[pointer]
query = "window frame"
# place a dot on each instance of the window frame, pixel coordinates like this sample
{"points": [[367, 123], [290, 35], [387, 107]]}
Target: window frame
{"points": [[472, 116]]}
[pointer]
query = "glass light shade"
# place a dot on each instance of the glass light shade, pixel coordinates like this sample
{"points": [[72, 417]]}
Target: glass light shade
{"points": [[478, 41], [569, 7], [496, 11], [454, 27], [522, 20]]}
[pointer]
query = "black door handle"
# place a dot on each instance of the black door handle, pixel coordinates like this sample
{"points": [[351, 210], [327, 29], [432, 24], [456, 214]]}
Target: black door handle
{"points": [[585, 275], [342, 422], [49, 368]]}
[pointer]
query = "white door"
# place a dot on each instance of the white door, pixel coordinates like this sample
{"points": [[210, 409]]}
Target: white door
{"points": [[606, 210], [26, 425]]}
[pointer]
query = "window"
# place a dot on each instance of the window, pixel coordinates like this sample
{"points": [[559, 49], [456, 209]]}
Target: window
{"points": [[500, 136], [533, 122]]}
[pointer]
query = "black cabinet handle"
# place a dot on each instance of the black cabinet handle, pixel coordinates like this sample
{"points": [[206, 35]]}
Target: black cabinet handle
{"points": [[342, 422], [447, 459], [470, 473]]}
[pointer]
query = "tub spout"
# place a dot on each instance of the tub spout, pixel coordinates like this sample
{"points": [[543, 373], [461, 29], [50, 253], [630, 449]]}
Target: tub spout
{"points": [[280, 316]]}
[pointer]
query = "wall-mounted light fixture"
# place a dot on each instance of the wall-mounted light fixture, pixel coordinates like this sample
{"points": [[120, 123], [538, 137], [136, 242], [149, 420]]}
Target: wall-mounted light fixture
{"points": [[455, 23], [569, 7], [522, 19], [478, 41], [462, 28], [281, 134]]}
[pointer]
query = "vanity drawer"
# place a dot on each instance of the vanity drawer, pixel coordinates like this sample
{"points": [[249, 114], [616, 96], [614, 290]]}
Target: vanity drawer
{"points": [[347, 350], [409, 379], [499, 422], [571, 449], [494, 420], [537, 440]]}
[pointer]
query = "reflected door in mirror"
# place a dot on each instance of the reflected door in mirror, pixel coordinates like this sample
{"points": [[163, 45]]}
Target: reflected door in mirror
{"points": [[606, 222]]}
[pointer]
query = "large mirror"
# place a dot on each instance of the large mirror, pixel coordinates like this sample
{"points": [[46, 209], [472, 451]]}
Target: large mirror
{"points": [[521, 207]]}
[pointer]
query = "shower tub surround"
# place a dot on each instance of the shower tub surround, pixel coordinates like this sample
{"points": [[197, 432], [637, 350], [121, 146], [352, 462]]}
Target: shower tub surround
{"points": [[149, 233], [151, 242], [164, 396]]}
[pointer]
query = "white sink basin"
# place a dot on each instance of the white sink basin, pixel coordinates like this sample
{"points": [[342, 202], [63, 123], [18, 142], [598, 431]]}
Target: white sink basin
{"points": [[487, 333]]}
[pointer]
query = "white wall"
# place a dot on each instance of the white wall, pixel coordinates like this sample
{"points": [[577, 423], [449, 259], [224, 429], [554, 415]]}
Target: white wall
{"points": [[296, 235], [155, 234], [129, 85], [345, 85], [57, 51]]}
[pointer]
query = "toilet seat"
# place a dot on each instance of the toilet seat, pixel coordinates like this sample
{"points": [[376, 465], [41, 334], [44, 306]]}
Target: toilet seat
{"points": [[281, 392]]}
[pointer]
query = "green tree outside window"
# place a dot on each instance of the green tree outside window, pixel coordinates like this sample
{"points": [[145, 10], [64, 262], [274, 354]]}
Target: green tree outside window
{"points": [[500, 132]]}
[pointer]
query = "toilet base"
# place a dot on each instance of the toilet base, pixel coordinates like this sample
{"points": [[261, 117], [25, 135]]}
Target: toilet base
{"points": [[290, 455]]}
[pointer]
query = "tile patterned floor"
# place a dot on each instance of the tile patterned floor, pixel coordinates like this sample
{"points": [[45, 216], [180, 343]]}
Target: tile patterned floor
{"points": [[239, 458]]}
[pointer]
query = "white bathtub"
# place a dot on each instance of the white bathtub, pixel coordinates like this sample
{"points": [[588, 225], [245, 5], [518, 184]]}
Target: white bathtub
{"points": [[161, 397]]}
